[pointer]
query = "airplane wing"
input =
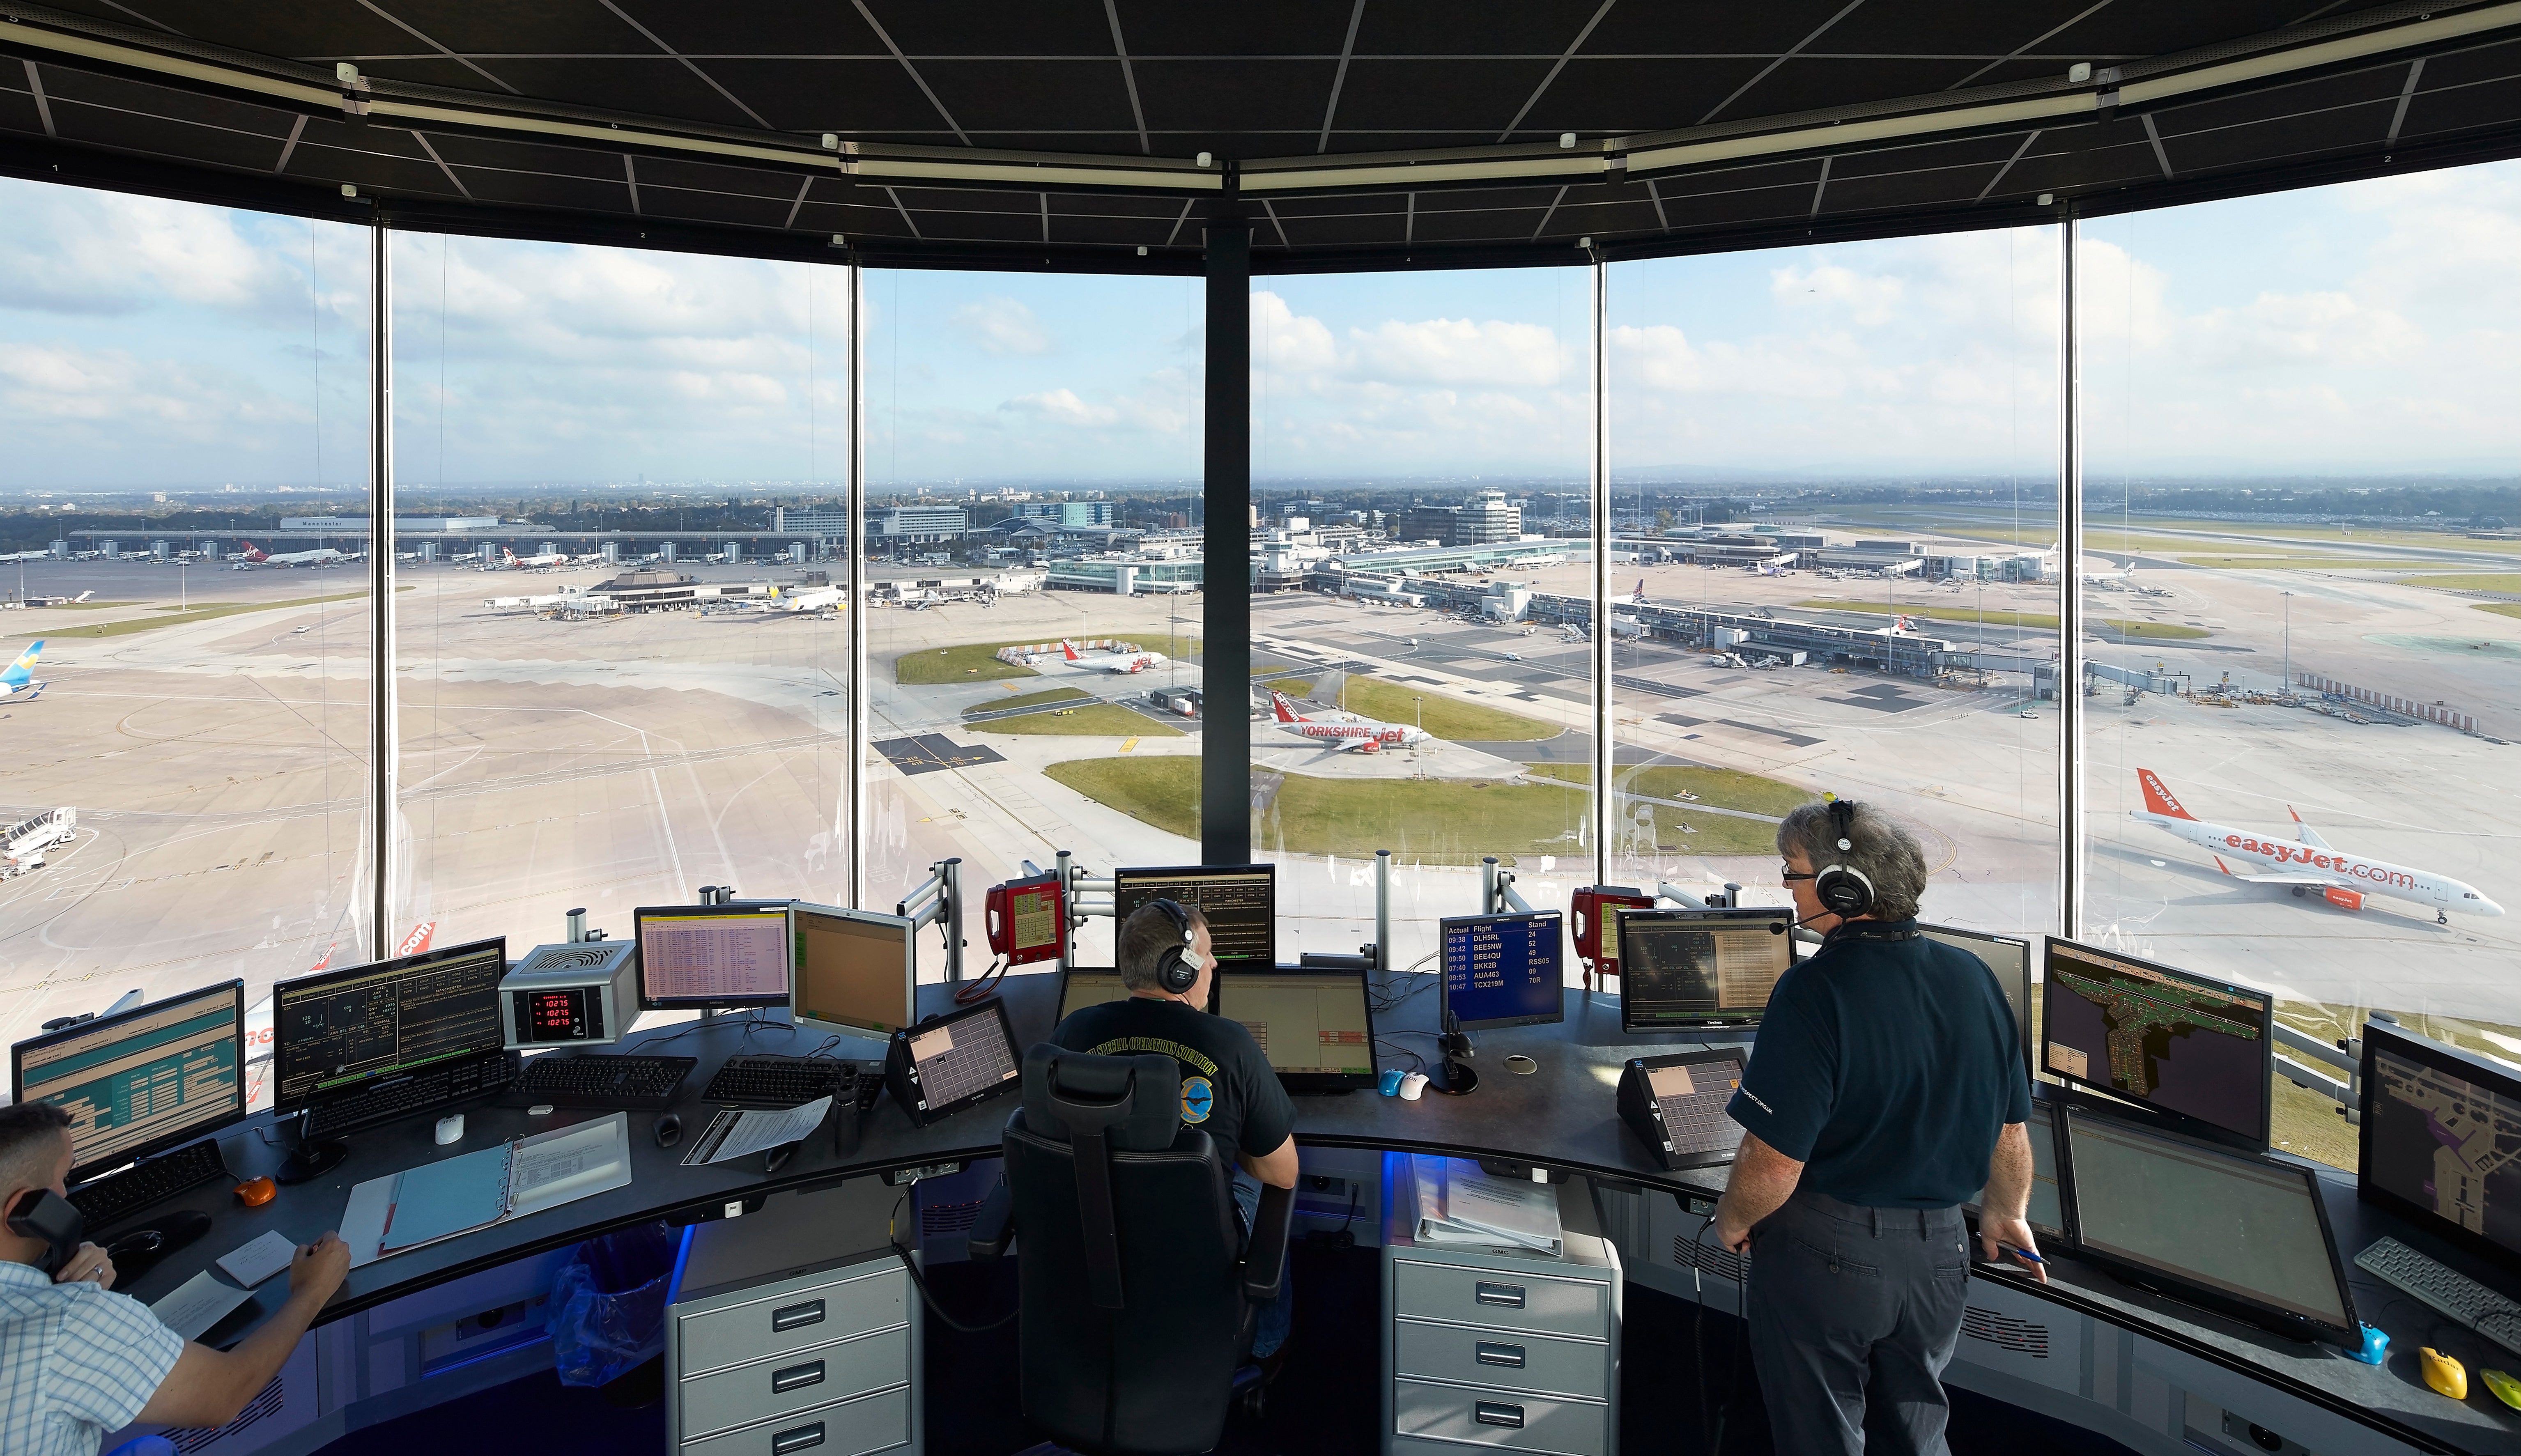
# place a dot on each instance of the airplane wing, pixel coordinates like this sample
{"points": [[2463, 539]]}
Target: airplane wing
{"points": [[2311, 880], [2309, 836]]}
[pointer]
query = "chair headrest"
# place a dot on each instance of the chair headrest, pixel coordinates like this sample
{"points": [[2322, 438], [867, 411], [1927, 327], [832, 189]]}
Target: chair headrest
{"points": [[1135, 1100]]}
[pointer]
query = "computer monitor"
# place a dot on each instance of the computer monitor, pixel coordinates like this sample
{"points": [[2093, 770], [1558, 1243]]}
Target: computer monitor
{"points": [[1241, 903], [2047, 1211], [1081, 988], [955, 1061], [2235, 1232], [2008, 957], [158, 1075], [338, 1032], [1312, 1024], [2441, 1141], [2196, 1049], [1502, 970], [712, 957], [1685, 968], [854, 970]]}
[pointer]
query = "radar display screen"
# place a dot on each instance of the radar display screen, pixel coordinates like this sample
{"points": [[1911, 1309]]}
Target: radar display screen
{"points": [[2196, 1048], [2441, 1137], [1241, 903]]}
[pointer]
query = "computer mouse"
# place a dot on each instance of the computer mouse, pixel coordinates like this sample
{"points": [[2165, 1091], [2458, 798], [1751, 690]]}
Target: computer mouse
{"points": [[253, 1192], [2505, 1388], [2444, 1373], [669, 1129], [777, 1158]]}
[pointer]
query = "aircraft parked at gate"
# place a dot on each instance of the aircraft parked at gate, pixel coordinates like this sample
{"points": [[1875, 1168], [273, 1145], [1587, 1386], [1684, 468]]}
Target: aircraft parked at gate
{"points": [[1346, 732], [539, 560], [2310, 862], [321, 556], [18, 681], [1114, 661]]}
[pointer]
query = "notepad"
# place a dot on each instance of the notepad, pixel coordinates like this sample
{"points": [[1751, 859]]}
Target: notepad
{"points": [[201, 1302], [253, 1263], [441, 1199]]}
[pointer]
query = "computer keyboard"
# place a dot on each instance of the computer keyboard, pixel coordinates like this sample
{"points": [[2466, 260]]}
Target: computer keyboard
{"points": [[420, 1092], [135, 1188], [598, 1079], [2455, 1293], [782, 1082]]}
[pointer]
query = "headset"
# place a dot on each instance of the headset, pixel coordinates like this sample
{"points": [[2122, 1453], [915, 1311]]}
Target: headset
{"points": [[1177, 968], [1842, 888]]}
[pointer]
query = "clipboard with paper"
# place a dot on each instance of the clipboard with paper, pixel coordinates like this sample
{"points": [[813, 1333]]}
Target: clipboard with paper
{"points": [[514, 1179]]}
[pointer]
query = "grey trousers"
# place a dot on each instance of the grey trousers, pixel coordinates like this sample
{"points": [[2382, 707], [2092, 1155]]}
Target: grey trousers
{"points": [[1852, 1305]]}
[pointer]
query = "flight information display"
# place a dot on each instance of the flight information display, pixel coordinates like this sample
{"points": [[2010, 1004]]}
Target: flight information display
{"points": [[1241, 903], [1503, 970], [712, 956], [1306, 1024], [2183, 1043], [1689, 968], [147, 1079], [852, 970], [346, 1028], [2441, 1135]]}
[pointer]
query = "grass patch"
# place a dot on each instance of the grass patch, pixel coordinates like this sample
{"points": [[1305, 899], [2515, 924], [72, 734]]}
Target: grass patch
{"points": [[2157, 631], [1939, 611], [182, 617], [1293, 687], [1043, 699], [975, 663], [2500, 609], [2299, 563], [1094, 720], [2489, 581], [1722, 787], [1422, 821], [1445, 717]]}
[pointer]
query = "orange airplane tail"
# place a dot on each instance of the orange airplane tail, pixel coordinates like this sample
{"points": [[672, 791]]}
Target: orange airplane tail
{"points": [[1285, 710], [2158, 797]]}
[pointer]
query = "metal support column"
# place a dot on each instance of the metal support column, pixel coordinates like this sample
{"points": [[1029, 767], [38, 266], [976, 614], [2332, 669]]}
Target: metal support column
{"points": [[2070, 595], [1225, 716], [856, 614], [384, 723], [1604, 748]]}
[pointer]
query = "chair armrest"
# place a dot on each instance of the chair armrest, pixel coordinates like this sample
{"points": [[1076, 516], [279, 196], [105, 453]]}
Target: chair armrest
{"points": [[995, 1228], [1265, 1259]]}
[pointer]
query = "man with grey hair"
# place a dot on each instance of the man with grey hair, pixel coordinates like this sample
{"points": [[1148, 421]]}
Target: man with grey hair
{"points": [[78, 1362], [1887, 1086]]}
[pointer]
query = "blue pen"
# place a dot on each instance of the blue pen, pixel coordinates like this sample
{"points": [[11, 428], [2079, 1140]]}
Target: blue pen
{"points": [[2021, 1253]]}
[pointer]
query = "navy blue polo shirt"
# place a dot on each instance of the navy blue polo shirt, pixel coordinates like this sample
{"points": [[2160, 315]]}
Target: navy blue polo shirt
{"points": [[1886, 1064]]}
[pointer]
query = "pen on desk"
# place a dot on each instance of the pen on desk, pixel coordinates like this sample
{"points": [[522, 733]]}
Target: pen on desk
{"points": [[2021, 1253]]}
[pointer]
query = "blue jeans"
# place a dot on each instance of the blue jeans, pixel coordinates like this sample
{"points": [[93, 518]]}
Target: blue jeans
{"points": [[1269, 1331]]}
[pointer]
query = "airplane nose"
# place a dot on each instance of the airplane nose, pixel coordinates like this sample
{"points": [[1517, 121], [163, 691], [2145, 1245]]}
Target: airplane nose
{"points": [[2488, 906]]}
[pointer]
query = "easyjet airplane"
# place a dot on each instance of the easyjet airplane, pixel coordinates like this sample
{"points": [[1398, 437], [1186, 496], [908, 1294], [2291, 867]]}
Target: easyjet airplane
{"points": [[2306, 862]]}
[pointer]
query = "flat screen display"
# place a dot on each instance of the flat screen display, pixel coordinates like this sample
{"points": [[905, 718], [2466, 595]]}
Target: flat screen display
{"points": [[853, 968], [2442, 1140], [1309, 1024], [2189, 1045], [341, 1031], [1081, 988], [2047, 1211], [1700, 968], [712, 956], [1503, 970], [145, 1080], [2007, 958], [1241, 903]]}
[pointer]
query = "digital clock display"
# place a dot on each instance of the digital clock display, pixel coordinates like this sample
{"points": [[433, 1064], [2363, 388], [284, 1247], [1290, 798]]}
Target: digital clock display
{"points": [[573, 1014]]}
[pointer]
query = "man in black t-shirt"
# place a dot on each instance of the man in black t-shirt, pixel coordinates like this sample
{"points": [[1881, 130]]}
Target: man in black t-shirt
{"points": [[1227, 1091]]}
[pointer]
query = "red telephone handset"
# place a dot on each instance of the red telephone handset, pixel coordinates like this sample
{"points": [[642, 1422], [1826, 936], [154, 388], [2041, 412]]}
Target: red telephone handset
{"points": [[1028, 920], [1589, 908]]}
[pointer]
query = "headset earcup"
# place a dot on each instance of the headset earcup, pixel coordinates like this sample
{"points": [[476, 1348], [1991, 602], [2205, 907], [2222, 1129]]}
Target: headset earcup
{"points": [[1844, 892]]}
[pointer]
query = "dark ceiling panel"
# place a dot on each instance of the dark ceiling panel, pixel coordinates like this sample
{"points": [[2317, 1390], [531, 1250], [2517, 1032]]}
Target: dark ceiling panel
{"points": [[1604, 97], [1807, 84], [1096, 206], [374, 170], [432, 71], [550, 27], [923, 27], [1739, 209], [647, 86], [540, 190], [2493, 62], [1707, 28], [1716, 181], [1478, 96], [1256, 95], [298, 31], [2127, 30], [704, 177], [979, 227], [142, 99], [2381, 84], [1512, 226], [461, 150], [713, 207], [1095, 143], [2125, 161], [1486, 199], [1986, 28], [1472, 27], [17, 110], [1972, 152], [967, 199], [1025, 95], [2468, 108], [830, 29], [1281, 27], [1341, 205], [1108, 232], [125, 131], [1383, 141], [1887, 193], [1608, 219], [1383, 229], [853, 219], [2342, 128], [854, 98]]}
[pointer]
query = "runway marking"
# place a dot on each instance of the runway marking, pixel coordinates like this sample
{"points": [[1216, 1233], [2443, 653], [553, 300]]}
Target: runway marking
{"points": [[1126, 747]]}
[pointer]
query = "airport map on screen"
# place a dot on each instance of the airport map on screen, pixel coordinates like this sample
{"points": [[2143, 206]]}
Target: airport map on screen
{"points": [[2180, 1043], [2444, 1143]]}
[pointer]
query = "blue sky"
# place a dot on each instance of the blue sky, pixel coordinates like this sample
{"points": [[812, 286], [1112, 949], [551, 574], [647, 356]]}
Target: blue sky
{"points": [[2374, 326]]}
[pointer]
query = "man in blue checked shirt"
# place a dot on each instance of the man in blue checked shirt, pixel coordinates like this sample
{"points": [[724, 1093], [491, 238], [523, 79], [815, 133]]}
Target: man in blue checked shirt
{"points": [[78, 1361]]}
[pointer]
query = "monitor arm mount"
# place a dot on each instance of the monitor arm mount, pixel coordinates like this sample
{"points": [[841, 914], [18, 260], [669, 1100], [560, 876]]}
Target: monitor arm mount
{"points": [[939, 901]]}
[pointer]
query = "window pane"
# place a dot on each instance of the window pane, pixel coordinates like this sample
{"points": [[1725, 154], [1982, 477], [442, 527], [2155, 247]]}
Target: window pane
{"points": [[604, 705], [2297, 565], [1834, 503], [183, 396], [1416, 439], [1033, 558]]}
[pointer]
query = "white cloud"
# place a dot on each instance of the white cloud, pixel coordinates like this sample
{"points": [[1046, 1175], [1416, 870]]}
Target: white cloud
{"points": [[1002, 326], [1063, 407]]}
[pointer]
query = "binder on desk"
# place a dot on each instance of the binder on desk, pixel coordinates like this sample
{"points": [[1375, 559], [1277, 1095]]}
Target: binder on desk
{"points": [[514, 1179], [441, 1199]]}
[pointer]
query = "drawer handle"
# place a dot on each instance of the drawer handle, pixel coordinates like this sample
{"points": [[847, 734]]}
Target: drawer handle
{"points": [[1497, 1413], [798, 1316], [1504, 1296], [1508, 1355], [803, 1438], [795, 1378]]}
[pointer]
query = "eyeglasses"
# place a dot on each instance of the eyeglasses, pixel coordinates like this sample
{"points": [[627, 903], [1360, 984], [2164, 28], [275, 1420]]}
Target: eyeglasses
{"points": [[1788, 875]]}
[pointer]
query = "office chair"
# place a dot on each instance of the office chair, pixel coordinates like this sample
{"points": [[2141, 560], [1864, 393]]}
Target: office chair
{"points": [[1139, 1295]]}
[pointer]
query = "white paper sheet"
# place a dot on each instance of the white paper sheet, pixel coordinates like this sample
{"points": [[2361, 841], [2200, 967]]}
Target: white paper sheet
{"points": [[201, 1302], [252, 1263], [569, 1163], [757, 1130]]}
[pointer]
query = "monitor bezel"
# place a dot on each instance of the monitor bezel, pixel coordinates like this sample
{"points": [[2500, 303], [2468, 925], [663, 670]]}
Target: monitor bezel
{"points": [[397, 965], [2022, 1007], [1717, 1020], [1065, 972], [639, 938], [1444, 985], [2177, 1284], [927, 1115], [1315, 1081], [2441, 1056], [796, 1015], [2046, 1113], [1121, 877], [2172, 1119], [190, 1134]]}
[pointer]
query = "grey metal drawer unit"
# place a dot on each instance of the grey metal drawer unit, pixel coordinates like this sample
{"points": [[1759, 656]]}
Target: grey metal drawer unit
{"points": [[1499, 1418], [1509, 1297], [796, 1379], [792, 1315], [1540, 1363], [880, 1422]]}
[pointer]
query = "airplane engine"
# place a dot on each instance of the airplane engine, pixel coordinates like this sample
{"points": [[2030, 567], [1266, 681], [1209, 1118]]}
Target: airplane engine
{"points": [[1371, 745], [2343, 899]]}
